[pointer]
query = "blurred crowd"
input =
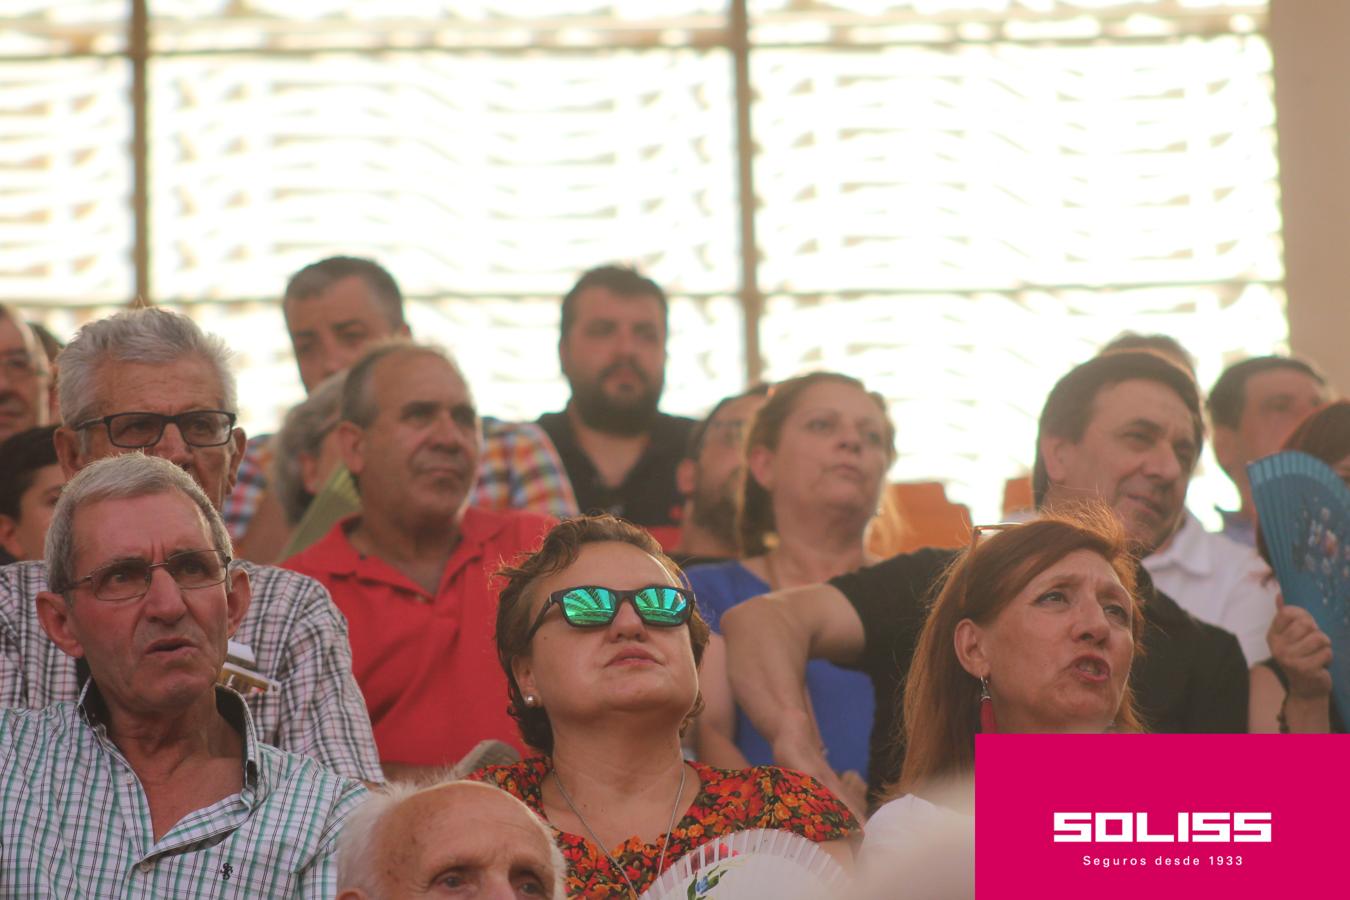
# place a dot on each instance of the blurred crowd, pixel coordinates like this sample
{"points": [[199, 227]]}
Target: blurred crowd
{"points": [[555, 658]]}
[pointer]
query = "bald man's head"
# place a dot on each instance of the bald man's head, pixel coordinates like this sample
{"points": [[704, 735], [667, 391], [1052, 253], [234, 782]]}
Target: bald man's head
{"points": [[460, 839]]}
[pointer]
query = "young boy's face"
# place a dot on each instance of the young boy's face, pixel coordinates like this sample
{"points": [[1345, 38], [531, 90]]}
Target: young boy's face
{"points": [[23, 537]]}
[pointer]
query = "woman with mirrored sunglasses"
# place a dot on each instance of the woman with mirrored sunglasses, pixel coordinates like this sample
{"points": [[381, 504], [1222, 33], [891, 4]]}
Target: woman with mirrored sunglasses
{"points": [[600, 641]]}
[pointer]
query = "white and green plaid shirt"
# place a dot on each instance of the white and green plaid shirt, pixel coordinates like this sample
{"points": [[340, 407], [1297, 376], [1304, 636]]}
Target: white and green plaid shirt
{"points": [[74, 822], [297, 635]]}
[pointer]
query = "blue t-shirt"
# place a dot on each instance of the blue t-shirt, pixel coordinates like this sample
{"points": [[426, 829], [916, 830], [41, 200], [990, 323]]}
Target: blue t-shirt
{"points": [[842, 699]]}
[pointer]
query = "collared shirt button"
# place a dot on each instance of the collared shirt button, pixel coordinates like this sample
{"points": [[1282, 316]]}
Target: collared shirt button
{"points": [[145, 866]]}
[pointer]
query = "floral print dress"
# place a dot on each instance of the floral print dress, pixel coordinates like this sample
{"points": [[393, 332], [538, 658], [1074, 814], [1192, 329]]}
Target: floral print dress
{"points": [[728, 801]]}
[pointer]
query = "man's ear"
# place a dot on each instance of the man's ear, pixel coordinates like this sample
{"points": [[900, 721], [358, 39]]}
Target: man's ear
{"points": [[1227, 449], [9, 536], [686, 476], [55, 615], [1056, 452], [351, 441], [238, 595], [972, 651], [238, 441], [759, 463], [67, 443], [309, 471]]}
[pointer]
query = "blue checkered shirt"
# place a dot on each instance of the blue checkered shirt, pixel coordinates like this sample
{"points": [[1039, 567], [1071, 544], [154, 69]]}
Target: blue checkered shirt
{"points": [[75, 823], [295, 632]]}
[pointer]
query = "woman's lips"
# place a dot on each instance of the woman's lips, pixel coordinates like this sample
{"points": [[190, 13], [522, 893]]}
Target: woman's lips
{"points": [[1091, 668], [631, 657]]}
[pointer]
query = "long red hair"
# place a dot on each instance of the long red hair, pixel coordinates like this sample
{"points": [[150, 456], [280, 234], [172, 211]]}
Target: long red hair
{"points": [[942, 699]]}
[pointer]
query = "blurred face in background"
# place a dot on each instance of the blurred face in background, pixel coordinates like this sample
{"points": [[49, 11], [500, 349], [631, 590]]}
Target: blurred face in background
{"points": [[24, 380], [614, 358], [1274, 403], [23, 535], [833, 451], [1137, 454], [713, 480], [331, 329], [418, 460]]}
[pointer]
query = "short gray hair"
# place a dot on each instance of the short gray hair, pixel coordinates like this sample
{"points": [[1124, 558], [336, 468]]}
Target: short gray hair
{"points": [[306, 425], [150, 335], [358, 844], [358, 406], [119, 478]]}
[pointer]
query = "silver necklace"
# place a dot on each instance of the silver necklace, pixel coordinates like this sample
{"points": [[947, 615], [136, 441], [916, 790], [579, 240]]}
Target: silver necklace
{"points": [[661, 864]]}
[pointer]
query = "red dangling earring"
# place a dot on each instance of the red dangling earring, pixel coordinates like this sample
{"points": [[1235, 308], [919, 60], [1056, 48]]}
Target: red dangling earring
{"points": [[987, 723]]}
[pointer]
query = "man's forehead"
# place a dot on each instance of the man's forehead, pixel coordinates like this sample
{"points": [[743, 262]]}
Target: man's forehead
{"points": [[479, 817], [347, 298], [419, 375], [1140, 399], [1284, 380], [742, 409], [11, 338], [129, 526], [599, 302], [179, 385]]}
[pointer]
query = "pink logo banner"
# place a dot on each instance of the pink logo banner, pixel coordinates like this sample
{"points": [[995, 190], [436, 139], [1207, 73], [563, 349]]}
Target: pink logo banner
{"points": [[1155, 816]]}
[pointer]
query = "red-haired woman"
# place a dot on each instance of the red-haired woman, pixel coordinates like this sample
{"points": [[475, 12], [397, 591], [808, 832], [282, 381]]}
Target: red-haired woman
{"points": [[1034, 631]]}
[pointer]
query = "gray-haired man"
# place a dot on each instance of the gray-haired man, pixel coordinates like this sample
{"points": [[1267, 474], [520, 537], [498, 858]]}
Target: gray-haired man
{"points": [[151, 380], [154, 783], [458, 838]]}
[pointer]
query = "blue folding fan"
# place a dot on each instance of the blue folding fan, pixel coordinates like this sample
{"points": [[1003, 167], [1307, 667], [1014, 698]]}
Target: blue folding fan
{"points": [[1304, 509]]}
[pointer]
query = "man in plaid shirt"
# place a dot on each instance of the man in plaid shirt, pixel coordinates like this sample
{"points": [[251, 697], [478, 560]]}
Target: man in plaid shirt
{"points": [[154, 783], [150, 380]]}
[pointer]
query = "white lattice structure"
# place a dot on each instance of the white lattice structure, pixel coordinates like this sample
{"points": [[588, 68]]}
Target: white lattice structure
{"points": [[955, 200]]}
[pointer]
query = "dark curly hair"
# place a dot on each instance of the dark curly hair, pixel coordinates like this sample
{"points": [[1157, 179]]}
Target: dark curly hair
{"points": [[516, 607]]}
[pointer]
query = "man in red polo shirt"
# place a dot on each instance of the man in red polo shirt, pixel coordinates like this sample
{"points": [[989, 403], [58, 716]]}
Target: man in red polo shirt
{"points": [[412, 571]]}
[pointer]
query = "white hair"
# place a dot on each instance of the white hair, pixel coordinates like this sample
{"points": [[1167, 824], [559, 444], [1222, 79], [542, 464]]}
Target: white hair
{"points": [[303, 432], [148, 335], [358, 845], [119, 477]]}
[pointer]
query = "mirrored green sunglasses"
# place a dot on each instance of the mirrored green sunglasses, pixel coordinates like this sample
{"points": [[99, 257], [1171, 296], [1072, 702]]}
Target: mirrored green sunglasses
{"points": [[591, 606]]}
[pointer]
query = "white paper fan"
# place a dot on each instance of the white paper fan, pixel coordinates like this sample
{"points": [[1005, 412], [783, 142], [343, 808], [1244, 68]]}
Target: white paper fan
{"points": [[750, 865]]}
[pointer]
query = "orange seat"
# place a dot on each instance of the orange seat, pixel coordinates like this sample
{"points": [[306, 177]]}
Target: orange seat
{"points": [[918, 514], [1017, 495]]}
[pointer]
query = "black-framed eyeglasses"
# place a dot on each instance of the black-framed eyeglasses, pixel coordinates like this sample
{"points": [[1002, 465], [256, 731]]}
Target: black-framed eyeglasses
{"points": [[137, 430], [591, 606], [129, 579]]}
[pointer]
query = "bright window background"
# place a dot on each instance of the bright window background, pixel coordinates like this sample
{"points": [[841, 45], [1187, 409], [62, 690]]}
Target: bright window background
{"points": [[955, 201]]}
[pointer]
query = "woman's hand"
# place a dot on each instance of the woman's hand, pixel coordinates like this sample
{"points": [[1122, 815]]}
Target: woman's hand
{"points": [[797, 745], [1302, 650]]}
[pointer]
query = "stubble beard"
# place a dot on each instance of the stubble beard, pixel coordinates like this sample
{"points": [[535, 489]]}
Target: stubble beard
{"points": [[601, 412]]}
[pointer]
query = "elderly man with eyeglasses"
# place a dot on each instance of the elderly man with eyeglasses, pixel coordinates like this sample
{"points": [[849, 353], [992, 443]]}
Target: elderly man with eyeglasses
{"points": [[151, 381], [154, 783]]}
